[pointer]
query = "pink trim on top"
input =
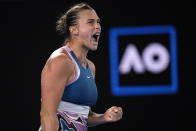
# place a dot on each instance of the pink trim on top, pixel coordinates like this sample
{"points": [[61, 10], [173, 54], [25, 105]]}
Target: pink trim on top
{"points": [[77, 69]]}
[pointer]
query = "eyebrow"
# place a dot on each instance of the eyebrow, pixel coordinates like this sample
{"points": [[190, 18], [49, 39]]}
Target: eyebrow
{"points": [[94, 19]]}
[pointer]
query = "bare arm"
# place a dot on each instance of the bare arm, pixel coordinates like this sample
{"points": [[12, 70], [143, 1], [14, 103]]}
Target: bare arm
{"points": [[55, 75], [95, 119], [111, 115]]}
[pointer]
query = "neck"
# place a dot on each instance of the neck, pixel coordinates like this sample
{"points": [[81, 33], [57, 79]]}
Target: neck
{"points": [[79, 50]]}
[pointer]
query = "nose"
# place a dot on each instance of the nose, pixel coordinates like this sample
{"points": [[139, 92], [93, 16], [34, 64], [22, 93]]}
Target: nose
{"points": [[98, 26]]}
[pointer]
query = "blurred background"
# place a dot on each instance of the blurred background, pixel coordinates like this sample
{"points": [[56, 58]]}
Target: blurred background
{"points": [[28, 37]]}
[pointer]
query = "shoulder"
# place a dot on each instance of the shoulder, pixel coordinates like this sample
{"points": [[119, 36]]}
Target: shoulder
{"points": [[59, 61], [92, 66]]}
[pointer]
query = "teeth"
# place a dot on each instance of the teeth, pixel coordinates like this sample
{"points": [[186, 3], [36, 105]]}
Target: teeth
{"points": [[97, 33]]}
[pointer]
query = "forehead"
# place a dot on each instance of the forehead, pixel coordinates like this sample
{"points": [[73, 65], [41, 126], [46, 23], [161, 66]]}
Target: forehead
{"points": [[87, 14]]}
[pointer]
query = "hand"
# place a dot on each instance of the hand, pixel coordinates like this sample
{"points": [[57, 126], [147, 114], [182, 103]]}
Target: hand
{"points": [[113, 114]]}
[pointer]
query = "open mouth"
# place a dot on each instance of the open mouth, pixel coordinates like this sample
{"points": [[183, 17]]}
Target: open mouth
{"points": [[96, 37]]}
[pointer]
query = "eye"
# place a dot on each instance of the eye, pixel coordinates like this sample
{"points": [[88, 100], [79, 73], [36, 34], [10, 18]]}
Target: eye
{"points": [[90, 22]]}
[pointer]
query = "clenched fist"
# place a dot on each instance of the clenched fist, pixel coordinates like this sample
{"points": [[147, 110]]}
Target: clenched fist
{"points": [[113, 114]]}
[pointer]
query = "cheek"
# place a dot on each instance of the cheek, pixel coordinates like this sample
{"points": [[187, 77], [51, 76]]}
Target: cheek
{"points": [[85, 32]]}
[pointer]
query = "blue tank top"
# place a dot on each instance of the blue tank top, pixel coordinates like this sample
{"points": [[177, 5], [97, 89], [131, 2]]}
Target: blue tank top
{"points": [[82, 90]]}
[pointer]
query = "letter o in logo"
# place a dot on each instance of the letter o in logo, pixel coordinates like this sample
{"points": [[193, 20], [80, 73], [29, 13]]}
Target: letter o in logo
{"points": [[155, 50]]}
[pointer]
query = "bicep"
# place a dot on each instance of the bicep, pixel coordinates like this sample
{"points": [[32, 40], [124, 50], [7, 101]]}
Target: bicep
{"points": [[53, 80]]}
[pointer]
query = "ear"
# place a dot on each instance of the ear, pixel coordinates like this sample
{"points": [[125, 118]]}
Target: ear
{"points": [[73, 30]]}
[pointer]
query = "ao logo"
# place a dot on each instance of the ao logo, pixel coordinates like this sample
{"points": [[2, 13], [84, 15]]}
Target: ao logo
{"points": [[155, 59], [143, 60]]}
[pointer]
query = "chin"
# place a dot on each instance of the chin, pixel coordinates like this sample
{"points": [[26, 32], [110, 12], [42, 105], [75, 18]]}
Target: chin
{"points": [[94, 48]]}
